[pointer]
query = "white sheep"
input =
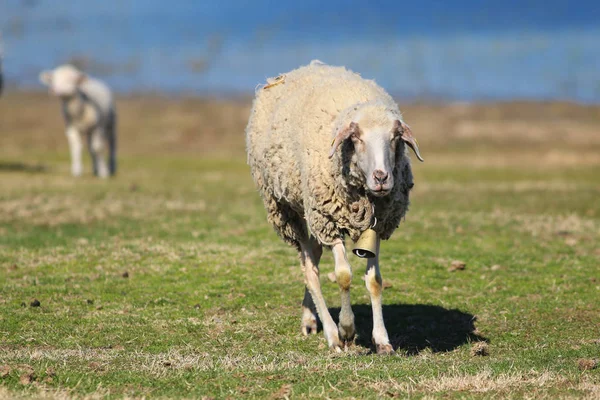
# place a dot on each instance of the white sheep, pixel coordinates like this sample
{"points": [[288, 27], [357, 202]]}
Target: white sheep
{"points": [[327, 151], [89, 112]]}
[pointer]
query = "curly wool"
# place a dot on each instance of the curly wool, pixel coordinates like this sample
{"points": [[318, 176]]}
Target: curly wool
{"points": [[288, 138]]}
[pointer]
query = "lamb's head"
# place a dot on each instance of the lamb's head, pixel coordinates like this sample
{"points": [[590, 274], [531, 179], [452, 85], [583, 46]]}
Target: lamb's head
{"points": [[375, 142], [63, 81]]}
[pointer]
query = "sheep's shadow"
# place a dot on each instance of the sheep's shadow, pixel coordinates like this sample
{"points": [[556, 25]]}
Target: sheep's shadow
{"points": [[413, 328], [22, 167]]}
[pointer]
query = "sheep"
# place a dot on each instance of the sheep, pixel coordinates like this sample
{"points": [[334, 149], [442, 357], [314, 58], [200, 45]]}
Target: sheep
{"points": [[326, 149], [89, 111]]}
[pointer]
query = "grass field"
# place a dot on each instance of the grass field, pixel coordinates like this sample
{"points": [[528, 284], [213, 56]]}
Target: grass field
{"points": [[168, 282]]}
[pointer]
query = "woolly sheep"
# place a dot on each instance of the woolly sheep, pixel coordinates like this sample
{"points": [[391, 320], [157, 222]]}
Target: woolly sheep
{"points": [[326, 151], [89, 112]]}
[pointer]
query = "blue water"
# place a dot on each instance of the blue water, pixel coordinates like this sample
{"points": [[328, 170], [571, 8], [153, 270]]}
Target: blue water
{"points": [[460, 49]]}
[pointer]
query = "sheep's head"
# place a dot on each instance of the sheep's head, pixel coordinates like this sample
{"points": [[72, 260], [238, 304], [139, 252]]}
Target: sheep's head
{"points": [[63, 81], [375, 145]]}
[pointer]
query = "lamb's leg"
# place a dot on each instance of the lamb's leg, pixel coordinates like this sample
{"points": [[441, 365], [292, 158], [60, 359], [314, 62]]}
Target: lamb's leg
{"points": [[343, 275], [92, 155], [111, 132], [97, 150], [309, 314], [310, 253], [375, 287], [75, 148]]}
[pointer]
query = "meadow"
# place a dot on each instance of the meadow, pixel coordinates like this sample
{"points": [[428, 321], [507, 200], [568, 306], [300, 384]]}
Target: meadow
{"points": [[167, 281]]}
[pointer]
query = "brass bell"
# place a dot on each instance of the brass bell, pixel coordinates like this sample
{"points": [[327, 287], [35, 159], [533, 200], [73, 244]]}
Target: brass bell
{"points": [[366, 245]]}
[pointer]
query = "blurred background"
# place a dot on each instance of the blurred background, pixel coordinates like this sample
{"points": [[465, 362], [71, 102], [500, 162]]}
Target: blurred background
{"points": [[449, 50]]}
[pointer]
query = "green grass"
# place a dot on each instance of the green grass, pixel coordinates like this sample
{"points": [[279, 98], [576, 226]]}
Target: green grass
{"points": [[211, 304]]}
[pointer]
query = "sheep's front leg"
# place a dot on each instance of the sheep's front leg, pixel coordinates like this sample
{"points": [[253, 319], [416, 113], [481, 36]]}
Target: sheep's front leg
{"points": [[97, 151], [75, 148], [310, 254], [343, 275], [375, 287]]}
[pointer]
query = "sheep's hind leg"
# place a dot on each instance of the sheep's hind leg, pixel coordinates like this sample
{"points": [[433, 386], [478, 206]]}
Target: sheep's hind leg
{"points": [[97, 150], [375, 287], [111, 137], [309, 314], [93, 155], [290, 226], [343, 275], [310, 253]]}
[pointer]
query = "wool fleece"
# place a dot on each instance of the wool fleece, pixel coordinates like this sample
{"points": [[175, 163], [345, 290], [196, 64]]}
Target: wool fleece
{"points": [[294, 119]]}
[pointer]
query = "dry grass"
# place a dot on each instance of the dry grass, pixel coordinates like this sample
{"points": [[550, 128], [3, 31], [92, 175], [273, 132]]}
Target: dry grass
{"points": [[181, 362], [530, 385], [500, 135], [147, 124]]}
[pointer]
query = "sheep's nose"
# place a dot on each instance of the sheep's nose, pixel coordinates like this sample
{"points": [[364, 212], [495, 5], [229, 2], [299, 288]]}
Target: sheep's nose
{"points": [[380, 176]]}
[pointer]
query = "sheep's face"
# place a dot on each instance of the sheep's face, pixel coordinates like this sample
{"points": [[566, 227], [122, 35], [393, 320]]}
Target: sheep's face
{"points": [[375, 152], [63, 81], [375, 147]]}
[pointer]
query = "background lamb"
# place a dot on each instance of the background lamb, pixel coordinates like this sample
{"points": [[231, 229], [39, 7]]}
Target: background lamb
{"points": [[89, 111], [326, 150]]}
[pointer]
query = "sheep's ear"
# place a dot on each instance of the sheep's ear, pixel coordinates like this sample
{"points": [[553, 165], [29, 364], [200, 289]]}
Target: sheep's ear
{"points": [[403, 131], [81, 78], [342, 135], [46, 77]]}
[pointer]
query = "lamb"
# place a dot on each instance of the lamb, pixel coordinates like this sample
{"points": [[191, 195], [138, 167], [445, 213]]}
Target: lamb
{"points": [[326, 149], [89, 111]]}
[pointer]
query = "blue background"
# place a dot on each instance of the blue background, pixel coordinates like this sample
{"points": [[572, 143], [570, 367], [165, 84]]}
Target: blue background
{"points": [[465, 50]]}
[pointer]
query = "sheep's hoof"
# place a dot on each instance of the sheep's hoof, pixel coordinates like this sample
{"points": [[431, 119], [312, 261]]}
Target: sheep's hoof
{"points": [[333, 340], [336, 348], [347, 334], [309, 322], [309, 329], [348, 344], [385, 349]]}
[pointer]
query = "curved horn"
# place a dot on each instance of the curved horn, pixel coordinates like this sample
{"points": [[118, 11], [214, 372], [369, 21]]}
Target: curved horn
{"points": [[342, 135], [407, 136]]}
